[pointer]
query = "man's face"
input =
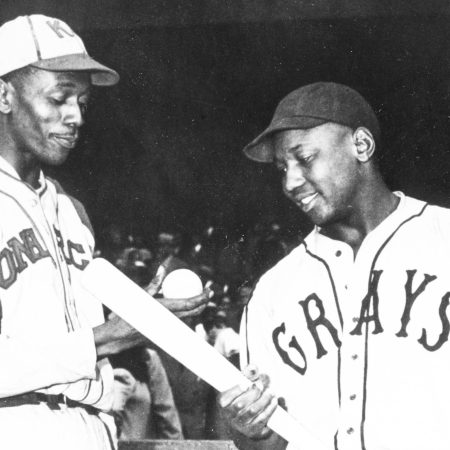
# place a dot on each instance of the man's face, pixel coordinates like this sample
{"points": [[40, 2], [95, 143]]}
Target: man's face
{"points": [[47, 112], [321, 171]]}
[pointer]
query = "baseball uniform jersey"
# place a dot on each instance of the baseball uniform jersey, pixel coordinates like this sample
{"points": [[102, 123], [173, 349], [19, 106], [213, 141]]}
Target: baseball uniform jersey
{"points": [[357, 345], [46, 337]]}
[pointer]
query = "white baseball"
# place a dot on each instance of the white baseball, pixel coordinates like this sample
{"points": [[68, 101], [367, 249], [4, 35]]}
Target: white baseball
{"points": [[181, 283]]}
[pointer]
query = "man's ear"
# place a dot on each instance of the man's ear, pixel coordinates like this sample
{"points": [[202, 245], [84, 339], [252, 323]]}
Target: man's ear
{"points": [[5, 97], [364, 143]]}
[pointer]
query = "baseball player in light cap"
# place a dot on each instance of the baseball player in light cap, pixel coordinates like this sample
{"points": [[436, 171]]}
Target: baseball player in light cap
{"points": [[352, 326], [55, 378]]}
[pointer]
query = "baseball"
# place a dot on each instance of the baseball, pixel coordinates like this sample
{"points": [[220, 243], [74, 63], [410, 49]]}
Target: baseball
{"points": [[181, 283]]}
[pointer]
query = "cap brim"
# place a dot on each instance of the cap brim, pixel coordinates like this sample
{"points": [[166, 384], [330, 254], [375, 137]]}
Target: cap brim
{"points": [[261, 148], [100, 74]]}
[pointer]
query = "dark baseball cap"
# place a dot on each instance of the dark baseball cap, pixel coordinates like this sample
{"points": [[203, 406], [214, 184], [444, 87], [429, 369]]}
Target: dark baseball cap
{"points": [[311, 106]]}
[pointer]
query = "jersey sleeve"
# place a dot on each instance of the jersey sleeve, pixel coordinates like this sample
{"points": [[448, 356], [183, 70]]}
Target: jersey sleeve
{"points": [[33, 364]]}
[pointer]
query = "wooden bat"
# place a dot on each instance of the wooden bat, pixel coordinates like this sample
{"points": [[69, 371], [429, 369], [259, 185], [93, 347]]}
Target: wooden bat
{"points": [[121, 295]]}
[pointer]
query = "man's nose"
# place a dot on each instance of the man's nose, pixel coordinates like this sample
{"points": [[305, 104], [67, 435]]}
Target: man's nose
{"points": [[73, 114], [294, 178]]}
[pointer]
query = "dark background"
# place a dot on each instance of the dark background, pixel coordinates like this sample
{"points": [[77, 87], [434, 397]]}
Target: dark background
{"points": [[199, 79]]}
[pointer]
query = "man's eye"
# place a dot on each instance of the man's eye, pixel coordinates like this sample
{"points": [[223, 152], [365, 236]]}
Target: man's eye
{"points": [[305, 160], [280, 167], [57, 100]]}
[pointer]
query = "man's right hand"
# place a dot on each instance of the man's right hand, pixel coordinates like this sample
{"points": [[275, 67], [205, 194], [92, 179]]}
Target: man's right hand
{"points": [[181, 307], [249, 409], [186, 307]]}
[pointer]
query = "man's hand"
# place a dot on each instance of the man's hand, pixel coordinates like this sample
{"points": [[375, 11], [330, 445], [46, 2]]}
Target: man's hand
{"points": [[248, 410], [184, 307], [181, 307]]}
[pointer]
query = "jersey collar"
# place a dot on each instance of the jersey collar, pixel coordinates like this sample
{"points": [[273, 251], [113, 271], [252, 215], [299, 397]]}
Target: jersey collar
{"points": [[407, 207]]}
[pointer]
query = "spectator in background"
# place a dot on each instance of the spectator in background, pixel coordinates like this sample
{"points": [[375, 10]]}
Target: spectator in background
{"points": [[221, 336], [231, 258], [266, 246], [169, 244], [194, 398], [143, 402], [112, 242], [136, 263]]}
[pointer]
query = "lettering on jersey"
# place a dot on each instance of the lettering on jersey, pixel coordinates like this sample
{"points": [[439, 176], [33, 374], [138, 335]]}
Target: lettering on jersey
{"points": [[370, 301], [293, 355], [445, 327], [12, 260], [411, 298], [292, 344], [312, 324], [8, 272], [72, 252]]}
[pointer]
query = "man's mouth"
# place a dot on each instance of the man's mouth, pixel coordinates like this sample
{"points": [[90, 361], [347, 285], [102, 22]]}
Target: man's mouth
{"points": [[66, 140], [305, 201]]}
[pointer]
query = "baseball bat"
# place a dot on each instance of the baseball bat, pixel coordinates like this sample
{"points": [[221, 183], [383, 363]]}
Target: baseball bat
{"points": [[130, 302]]}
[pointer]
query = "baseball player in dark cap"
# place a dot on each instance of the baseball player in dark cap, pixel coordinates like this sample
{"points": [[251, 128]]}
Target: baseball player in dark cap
{"points": [[55, 378], [352, 326]]}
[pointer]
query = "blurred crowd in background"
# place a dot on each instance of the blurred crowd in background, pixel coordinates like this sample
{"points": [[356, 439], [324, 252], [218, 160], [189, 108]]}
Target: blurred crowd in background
{"points": [[155, 396]]}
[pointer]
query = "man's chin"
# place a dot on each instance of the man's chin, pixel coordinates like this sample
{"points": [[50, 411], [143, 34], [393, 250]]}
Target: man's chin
{"points": [[318, 218], [56, 160]]}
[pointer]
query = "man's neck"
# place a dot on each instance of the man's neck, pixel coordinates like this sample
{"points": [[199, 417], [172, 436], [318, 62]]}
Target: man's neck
{"points": [[371, 211], [28, 170]]}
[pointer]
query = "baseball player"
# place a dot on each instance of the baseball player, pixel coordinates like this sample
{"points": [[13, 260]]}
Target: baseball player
{"points": [[352, 326], [55, 379]]}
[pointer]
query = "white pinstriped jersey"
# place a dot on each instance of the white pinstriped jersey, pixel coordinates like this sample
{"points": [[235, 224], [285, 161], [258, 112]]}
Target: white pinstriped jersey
{"points": [[358, 347], [46, 338]]}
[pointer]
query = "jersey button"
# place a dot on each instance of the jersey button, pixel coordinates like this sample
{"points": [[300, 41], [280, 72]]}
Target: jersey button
{"points": [[355, 356], [352, 397], [34, 202], [338, 253], [350, 430]]}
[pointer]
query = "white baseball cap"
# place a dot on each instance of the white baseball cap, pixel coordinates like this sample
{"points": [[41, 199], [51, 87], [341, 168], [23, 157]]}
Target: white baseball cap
{"points": [[50, 44]]}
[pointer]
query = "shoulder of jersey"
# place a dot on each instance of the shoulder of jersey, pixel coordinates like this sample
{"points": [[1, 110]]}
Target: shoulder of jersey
{"points": [[79, 207], [439, 222], [292, 259]]}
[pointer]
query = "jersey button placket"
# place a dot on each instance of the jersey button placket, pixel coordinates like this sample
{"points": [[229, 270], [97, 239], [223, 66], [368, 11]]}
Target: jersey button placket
{"points": [[352, 367]]}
